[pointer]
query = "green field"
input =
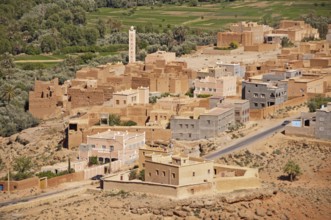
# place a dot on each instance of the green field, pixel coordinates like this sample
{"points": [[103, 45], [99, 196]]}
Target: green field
{"points": [[213, 16], [39, 57]]}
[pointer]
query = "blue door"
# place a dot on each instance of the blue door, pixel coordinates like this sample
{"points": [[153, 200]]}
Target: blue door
{"points": [[1, 187]]}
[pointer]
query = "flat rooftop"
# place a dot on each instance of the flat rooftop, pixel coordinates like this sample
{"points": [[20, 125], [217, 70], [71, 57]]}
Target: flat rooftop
{"points": [[112, 134]]}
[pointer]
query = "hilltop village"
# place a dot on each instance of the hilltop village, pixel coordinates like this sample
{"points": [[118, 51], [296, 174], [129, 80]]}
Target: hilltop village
{"points": [[154, 127]]}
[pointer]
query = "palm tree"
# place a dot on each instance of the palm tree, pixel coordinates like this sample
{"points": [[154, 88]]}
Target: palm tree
{"points": [[7, 93], [292, 169]]}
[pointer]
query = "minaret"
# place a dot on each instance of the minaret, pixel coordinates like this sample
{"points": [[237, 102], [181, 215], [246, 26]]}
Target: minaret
{"points": [[132, 45]]}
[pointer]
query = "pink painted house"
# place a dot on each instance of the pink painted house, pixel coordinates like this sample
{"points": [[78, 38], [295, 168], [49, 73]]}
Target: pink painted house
{"points": [[222, 86], [113, 145]]}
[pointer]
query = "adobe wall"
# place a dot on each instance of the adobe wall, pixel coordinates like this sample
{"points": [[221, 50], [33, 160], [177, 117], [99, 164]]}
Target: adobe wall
{"points": [[140, 82], [85, 97], [229, 184], [75, 138], [155, 133], [32, 182], [261, 47], [53, 182], [225, 38], [300, 131], [258, 114]]}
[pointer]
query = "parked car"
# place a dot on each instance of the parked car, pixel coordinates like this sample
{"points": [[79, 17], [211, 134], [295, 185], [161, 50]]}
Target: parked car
{"points": [[97, 177]]}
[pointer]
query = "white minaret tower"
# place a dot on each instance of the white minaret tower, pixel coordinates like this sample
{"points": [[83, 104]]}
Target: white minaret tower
{"points": [[132, 45]]}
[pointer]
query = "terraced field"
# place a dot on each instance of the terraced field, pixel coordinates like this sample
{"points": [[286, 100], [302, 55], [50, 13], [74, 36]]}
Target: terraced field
{"points": [[213, 16]]}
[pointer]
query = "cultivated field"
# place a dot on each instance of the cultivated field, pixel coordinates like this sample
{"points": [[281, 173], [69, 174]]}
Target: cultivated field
{"points": [[213, 16]]}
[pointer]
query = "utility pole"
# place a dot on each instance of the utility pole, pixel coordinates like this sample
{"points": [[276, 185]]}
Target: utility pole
{"points": [[9, 173]]}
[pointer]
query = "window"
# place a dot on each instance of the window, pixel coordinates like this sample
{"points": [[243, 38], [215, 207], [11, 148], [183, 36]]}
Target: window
{"points": [[208, 171], [256, 95], [189, 135], [263, 105], [163, 172], [192, 126], [186, 125], [117, 102], [262, 95], [180, 125], [208, 121], [173, 175], [103, 146], [193, 174], [321, 119], [255, 104], [124, 102], [143, 164], [149, 174], [157, 172]]}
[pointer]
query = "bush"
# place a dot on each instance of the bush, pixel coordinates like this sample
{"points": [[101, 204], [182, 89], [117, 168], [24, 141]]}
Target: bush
{"points": [[128, 123], [93, 161], [133, 175], [141, 175]]}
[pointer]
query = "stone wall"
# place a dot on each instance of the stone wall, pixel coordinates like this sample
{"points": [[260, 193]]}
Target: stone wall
{"points": [[158, 189]]}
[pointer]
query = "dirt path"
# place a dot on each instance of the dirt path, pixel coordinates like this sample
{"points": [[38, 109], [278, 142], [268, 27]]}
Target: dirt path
{"points": [[39, 61]]}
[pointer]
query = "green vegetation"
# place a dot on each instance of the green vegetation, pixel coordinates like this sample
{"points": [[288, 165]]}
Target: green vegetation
{"points": [[93, 161], [133, 175], [216, 14], [292, 169], [203, 95], [116, 120], [286, 42], [23, 166], [317, 102], [50, 174]]}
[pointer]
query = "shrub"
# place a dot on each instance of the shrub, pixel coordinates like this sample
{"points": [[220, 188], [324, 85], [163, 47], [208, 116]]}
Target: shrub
{"points": [[93, 161]]}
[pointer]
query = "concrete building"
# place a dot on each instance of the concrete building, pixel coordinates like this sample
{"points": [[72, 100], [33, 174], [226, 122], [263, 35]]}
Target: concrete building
{"points": [[113, 145], [177, 170], [132, 45], [131, 97], [222, 69], [241, 109], [323, 122], [201, 124], [313, 124], [223, 86], [261, 95]]}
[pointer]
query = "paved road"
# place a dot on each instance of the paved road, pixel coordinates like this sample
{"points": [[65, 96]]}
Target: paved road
{"points": [[248, 140], [30, 198]]}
